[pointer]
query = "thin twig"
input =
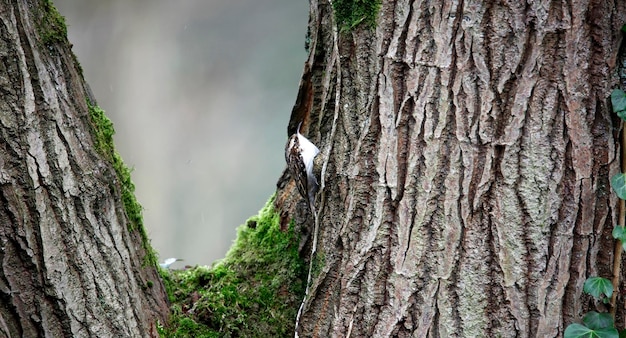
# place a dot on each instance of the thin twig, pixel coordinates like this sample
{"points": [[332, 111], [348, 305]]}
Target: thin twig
{"points": [[617, 262]]}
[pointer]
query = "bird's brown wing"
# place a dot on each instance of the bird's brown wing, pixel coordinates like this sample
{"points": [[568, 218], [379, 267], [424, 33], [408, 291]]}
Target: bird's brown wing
{"points": [[296, 167]]}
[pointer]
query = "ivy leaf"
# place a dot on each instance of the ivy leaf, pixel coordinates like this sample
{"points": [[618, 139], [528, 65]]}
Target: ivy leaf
{"points": [[576, 330], [608, 332], [597, 286], [619, 232], [581, 331], [595, 320], [618, 183], [618, 101]]}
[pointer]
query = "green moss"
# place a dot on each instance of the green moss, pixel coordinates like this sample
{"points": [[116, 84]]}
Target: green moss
{"points": [[51, 24], [103, 131], [52, 29], [253, 292], [351, 13], [103, 138], [318, 263]]}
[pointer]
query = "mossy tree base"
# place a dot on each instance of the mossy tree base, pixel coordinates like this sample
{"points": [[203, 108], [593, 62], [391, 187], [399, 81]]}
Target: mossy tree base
{"points": [[254, 292]]}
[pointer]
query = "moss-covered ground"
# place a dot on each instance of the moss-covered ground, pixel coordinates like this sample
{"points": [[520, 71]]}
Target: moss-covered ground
{"points": [[254, 291]]}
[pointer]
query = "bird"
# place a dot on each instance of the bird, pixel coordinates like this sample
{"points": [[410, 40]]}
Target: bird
{"points": [[299, 154], [168, 262]]}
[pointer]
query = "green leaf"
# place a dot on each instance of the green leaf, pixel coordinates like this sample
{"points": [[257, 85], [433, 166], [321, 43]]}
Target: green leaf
{"points": [[595, 320], [581, 331], [619, 232], [622, 334], [608, 332], [618, 183], [597, 286], [576, 330], [623, 30], [618, 100]]}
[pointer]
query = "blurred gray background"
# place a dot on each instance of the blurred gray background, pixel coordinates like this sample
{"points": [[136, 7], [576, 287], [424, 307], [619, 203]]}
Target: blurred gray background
{"points": [[200, 92]]}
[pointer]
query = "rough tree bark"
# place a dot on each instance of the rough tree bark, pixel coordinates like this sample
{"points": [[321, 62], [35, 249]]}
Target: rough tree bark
{"points": [[70, 264], [467, 148]]}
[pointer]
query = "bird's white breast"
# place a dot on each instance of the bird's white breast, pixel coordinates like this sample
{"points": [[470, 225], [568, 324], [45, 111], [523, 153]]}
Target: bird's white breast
{"points": [[308, 152]]}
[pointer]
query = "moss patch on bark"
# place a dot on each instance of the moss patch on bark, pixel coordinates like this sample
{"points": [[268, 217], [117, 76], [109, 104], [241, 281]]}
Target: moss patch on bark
{"points": [[51, 25], [351, 13], [103, 138]]}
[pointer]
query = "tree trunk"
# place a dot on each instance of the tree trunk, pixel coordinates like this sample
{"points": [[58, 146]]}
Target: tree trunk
{"points": [[467, 149], [73, 264]]}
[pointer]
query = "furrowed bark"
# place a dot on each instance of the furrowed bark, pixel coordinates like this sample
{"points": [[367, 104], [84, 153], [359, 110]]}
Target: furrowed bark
{"points": [[468, 148], [70, 265]]}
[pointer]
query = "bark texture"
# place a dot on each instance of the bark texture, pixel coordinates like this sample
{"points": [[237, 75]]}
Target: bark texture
{"points": [[70, 266], [467, 148]]}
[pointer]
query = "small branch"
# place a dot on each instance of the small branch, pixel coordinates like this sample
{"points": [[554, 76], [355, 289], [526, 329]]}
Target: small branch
{"points": [[617, 261]]}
